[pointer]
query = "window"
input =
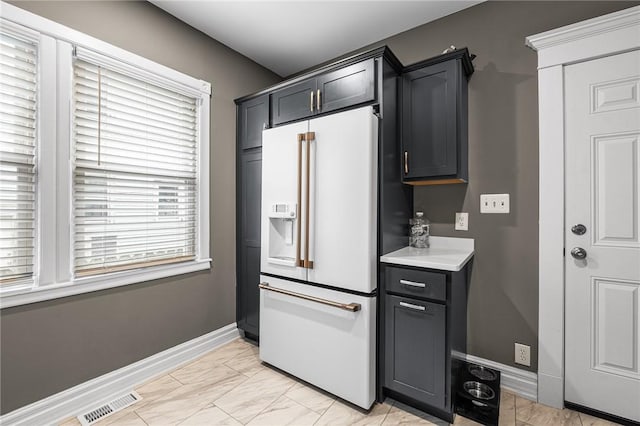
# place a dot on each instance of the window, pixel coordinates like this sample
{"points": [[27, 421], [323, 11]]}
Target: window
{"points": [[135, 172], [18, 104], [104, 164]]}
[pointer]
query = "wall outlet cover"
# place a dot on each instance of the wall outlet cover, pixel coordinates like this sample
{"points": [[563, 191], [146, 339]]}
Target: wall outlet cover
{"points": [[523, 354], [462, 221]]}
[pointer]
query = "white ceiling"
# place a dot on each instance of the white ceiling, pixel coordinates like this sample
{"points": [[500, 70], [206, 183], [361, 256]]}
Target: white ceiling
{"points": [[290, 36]]}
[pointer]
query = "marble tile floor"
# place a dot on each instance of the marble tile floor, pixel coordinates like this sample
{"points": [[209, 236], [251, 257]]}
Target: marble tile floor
{"points": [[230, 386]]}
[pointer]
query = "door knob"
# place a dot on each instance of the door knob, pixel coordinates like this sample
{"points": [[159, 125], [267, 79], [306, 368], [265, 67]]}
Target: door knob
{"points": [[579, 229], [578, 253]]}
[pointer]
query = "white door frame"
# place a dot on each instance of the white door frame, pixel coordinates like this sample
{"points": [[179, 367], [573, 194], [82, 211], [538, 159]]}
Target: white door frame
{"points": [[602, 36]]}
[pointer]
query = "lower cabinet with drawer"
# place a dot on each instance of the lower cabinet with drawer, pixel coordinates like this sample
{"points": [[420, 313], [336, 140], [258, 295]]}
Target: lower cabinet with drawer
{"points": [[422, 334]]}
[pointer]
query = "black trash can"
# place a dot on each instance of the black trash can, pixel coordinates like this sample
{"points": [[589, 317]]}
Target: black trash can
{"points": [[478, 393]]}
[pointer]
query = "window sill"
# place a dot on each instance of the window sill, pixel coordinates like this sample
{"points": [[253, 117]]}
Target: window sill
{"points": [[102, 282]]}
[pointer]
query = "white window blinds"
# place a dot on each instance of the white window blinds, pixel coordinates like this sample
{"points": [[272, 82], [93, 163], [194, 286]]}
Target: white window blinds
{"points": [[18, 106], [134, 174]]}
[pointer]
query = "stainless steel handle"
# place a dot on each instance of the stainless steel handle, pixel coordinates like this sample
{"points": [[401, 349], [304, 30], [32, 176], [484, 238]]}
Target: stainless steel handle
{"points": [[413, 283], [311, 102], [578, 253], [579, 229], [412, 306], [351, 307], [318, 100]]}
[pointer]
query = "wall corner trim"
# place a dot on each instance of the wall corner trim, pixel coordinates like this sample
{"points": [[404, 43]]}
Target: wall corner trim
{"points": [[100, 390], [515, 380]]}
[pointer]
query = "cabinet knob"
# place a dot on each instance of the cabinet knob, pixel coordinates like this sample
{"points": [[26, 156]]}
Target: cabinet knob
{"points": [[311, 102], [318, 100]]}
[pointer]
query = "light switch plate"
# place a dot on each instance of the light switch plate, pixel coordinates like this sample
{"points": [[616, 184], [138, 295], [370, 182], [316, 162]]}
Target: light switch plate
{"points": [[462, 221], [494, 203]]}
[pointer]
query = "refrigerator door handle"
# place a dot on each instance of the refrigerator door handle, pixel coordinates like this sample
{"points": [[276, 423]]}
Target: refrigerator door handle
{"points": [[299, 262], [351, 307], [310, 136]]}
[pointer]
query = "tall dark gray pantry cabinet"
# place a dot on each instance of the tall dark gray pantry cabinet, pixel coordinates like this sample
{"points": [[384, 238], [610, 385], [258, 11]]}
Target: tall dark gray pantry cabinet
{"points": [[252, 118], [370, 78]]}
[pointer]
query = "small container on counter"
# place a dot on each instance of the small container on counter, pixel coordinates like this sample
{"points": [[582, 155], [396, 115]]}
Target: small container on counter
{"points": [[419, 231]]}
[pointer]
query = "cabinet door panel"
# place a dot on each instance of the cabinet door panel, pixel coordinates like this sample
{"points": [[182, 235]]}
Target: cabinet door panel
{"points": [[254, 117], [416, 283], [347, 86], [249, 240], [429, 121], [293, 102], [252, 292], [415, 349], [251, 196]]}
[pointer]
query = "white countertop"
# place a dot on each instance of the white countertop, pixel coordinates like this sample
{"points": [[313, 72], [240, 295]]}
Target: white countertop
{"points": [[445, 253]]}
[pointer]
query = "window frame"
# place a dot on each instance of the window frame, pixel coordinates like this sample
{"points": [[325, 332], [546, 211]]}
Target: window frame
{"points": [[53, 274]]}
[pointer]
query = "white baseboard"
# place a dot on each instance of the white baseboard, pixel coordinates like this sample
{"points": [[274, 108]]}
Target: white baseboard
{"points": [[515, 380], [100, 390]]}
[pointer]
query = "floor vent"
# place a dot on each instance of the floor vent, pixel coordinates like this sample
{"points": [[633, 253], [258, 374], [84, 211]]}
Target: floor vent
{"points": [[109, 408]]}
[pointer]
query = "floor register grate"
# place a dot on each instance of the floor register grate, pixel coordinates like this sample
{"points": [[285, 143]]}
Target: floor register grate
{"points": [[109, 408]]}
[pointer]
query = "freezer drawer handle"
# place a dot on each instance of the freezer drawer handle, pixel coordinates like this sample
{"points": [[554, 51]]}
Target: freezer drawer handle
{"points": [[412, 306], [351, 307], [413, 283]]}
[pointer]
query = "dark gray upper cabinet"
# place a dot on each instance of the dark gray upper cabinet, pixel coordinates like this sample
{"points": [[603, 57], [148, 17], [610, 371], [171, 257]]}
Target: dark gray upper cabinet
{"points": [[331, 91], [294, 102], [345, 87], [253, 119], [434, 119]]}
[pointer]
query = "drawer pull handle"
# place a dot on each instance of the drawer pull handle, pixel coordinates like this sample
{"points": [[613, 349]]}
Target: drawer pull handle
{"points": [[412, 306], [413, 283], [351, 307]]}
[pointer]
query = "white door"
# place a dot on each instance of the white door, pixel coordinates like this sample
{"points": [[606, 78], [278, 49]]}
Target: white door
{"points": [[282, 172], [602, 329], [343, 200]]}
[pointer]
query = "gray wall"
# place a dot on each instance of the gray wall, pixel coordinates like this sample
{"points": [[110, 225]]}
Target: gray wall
{"points": [[50, 346], [503, 158]]}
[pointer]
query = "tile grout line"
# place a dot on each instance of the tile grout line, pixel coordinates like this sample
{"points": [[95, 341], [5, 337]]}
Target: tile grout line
{"points": [[325, 411], [273, 402], [138, 416], [220, 408]]}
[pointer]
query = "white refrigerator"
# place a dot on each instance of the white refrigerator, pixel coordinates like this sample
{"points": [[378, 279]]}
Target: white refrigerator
{"points": [[318, 256]]}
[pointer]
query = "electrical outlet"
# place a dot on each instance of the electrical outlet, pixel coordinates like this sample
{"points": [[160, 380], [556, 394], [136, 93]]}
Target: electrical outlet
{"points": [[494, 203], [523, 354], [462, 221]]}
